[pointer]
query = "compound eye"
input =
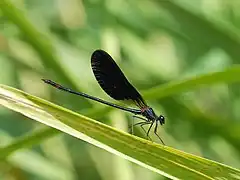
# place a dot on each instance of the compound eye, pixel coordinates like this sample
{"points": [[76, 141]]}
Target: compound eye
{"points": [[161, 119]]}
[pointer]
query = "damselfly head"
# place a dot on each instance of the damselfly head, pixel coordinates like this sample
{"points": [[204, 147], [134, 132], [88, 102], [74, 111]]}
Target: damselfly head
{"points": [[161, 119]]}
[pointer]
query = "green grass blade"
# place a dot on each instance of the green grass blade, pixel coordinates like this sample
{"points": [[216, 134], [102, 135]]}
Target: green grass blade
{"points": [[229, 75], [161, 159], [38, 136], [29, 140]]}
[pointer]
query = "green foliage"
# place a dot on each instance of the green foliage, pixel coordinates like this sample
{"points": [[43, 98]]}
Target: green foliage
{"points": [[182, 54], [161, 159]]}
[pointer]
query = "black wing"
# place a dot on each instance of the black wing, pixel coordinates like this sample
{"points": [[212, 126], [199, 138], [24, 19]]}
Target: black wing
{"points": [[112, 80]]}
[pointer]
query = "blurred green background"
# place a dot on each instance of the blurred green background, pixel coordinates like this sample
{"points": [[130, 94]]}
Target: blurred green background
{"points": [[154, 42]]}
